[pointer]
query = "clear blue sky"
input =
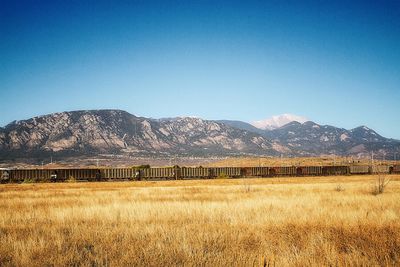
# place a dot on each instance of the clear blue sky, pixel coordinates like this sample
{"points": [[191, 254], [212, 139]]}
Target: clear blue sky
{"points": [[334, 62]]}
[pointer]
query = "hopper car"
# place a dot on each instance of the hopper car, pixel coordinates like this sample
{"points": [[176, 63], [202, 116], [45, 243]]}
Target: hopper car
{"points": [[360, 169], [380, 169], [394, 169]]}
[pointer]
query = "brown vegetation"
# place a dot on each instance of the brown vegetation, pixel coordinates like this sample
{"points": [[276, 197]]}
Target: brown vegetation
{"points": [[224, 222]]}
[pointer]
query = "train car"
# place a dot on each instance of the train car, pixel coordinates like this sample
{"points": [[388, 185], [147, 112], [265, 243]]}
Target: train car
{"points": [[272, 171], [254, 171], [161, 173], [360, 169], [232, 172], [30, 175], [394, 169], [380, 169], [110, 174], [80, 174], [192, 173], [335, 170], [282, 171], [309, 171]]}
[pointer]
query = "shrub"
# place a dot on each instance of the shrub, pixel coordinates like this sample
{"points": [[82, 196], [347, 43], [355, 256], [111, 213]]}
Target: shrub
{"points": [[380, 184], [71, 179], [339, 188], [222, 176], [29, 181]]}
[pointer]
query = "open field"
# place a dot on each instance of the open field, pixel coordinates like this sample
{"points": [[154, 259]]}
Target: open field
{"points": [[228, 222]]}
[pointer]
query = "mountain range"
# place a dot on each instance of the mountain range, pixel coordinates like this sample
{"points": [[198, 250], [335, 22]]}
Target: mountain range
{"points": [[95, 132]]}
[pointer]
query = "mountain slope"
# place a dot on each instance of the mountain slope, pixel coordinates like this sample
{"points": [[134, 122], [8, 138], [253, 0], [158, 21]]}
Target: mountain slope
{"points": [[310, 138], [116, 131], [242, 125]]}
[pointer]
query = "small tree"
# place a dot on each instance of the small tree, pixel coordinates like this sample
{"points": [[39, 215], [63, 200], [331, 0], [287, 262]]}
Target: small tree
{"points": [[380, 184], [381, 179]]}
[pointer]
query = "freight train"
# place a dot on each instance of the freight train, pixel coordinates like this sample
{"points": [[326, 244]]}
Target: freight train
{"points": [[178, 173]]}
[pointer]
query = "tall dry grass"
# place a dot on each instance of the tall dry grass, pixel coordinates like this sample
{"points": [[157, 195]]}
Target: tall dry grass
{"points": [[243, 222]]}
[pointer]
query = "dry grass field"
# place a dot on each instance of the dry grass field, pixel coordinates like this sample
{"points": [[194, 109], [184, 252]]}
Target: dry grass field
{"points": [[333, 221]]}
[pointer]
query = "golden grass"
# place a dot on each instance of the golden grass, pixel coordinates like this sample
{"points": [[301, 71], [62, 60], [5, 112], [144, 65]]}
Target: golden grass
{"points": [[241, 222]]}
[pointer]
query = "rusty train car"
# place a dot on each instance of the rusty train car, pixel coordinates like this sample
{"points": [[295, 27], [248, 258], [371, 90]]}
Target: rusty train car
{"points": [[309, 171], [360, 169], [255, 172], [176, 172], [380, 169], [40, 175], [195, 172], [394, 169], [117, 173], [335, 170]]}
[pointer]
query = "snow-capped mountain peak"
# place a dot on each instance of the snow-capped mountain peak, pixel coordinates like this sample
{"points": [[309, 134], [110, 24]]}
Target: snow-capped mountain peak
{"points": [[277, 121]]}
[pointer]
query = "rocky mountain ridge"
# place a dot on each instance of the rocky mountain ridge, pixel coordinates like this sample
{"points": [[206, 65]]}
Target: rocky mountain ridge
{"points": [[118, 132], [311, 139]]}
